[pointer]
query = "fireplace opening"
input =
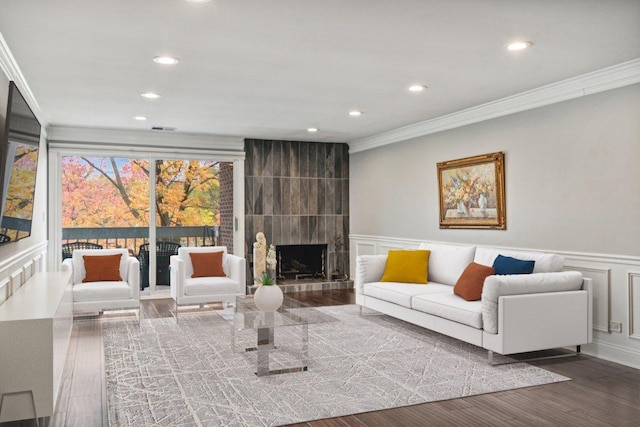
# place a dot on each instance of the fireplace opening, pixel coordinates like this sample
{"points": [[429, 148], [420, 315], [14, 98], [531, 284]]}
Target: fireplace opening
{"points": [[298, 262]]}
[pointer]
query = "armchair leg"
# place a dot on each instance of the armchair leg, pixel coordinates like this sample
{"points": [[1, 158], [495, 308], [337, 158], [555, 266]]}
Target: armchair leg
{"points": [[175, 304]]}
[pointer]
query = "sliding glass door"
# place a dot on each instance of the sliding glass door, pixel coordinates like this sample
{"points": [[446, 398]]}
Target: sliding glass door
{"points": [[150, 206]]}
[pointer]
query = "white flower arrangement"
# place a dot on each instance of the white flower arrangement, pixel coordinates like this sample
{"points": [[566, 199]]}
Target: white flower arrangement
{"points": [[271, 257]]}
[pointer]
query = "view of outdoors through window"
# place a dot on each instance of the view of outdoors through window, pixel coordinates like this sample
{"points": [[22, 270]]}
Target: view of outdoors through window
{"points": [[106, 201]]}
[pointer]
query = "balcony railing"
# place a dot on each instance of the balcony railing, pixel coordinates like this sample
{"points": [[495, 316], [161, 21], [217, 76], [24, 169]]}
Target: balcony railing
{"points": [[132, 237]]}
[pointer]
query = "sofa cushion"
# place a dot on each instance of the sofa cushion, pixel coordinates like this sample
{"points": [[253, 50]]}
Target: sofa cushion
{"points": [[401, 293], [102, 268], [406, 266], [447, 262], [469, 285], [544, 263], [520, 284], [101, 291], [508, 265], [450, 307], [210, 286], [207, 264]]}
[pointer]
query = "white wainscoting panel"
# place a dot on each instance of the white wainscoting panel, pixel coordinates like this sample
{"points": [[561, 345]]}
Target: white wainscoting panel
{"points": [[28, 270], [4, 290], [633, 281], [363, 248], [601, 278], [16, 280], [37, 264], [385, 248]]}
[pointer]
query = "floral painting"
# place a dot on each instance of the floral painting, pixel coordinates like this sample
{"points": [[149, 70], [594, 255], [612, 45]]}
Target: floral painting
{"points": [[472, 192]]}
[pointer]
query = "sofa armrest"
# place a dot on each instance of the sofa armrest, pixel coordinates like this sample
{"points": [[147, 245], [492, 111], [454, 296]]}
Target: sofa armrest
{"points": [[67, 265], [521, 284], [176, 276], [133, 277], [369, 268], [237, 271]]}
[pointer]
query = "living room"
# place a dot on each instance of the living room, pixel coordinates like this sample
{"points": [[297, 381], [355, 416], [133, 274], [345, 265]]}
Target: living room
{"points": [[564, 111]]}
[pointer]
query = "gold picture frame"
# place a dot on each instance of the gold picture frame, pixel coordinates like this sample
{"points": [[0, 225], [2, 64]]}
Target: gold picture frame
{"points": [[472, 192]]}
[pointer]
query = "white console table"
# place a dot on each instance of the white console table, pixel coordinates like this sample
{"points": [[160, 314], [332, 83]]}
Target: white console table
{"points": [[35, 329]]}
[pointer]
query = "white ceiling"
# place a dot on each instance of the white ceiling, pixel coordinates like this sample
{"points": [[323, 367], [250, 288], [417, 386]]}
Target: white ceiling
{"points": [[272, 68]]}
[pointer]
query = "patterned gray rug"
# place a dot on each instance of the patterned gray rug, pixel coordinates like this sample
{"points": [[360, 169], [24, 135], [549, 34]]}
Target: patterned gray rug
{"points": [[188, 374]]}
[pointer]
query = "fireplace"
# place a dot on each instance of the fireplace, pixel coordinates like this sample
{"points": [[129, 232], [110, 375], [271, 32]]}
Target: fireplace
{"points": [[299, 262]]}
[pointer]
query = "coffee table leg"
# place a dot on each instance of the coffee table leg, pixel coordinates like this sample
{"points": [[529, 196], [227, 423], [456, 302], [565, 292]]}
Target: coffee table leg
{"points": [[265, 344]]}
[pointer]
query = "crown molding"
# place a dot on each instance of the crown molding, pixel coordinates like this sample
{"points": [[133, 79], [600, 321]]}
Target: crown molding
{"points": [[10, 67], [620, 75]]}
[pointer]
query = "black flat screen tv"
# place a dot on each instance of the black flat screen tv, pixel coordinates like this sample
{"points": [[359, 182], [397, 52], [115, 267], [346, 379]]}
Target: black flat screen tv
{"points": [[18, 167]]}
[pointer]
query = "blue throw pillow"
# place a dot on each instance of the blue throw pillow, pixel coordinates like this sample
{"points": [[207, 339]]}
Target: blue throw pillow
{"points": [[507, 265]]}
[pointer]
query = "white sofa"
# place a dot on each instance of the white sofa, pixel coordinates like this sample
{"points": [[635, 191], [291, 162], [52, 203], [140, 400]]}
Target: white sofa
{"points": [[99, 296], [547, 309], [186, 290]]}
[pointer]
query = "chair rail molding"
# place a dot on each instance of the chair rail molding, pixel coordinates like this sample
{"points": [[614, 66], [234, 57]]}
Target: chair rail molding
{"points": [[613, 77], [616, 280]]}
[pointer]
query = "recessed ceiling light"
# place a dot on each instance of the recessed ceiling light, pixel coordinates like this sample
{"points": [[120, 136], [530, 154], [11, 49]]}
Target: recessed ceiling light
{"points": [[166, 60], [417, 88], [312, 129], [519, 45], [150, 95], [141, 118], [355, 113]]}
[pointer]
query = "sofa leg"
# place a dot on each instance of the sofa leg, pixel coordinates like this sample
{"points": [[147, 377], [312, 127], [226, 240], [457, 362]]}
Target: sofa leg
{"points": [[360, 311], [557, 356]]}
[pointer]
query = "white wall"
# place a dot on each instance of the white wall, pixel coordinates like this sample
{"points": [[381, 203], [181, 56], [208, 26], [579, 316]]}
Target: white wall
{"points": [[14, 255], [572, 186], [572, 178]]}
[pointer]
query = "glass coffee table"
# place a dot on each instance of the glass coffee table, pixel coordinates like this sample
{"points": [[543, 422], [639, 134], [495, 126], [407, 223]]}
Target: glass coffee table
{"points": [[279, 339]]}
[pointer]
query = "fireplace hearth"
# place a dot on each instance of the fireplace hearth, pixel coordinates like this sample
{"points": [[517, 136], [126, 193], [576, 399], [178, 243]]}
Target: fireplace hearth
{"points": [[302, 262]]}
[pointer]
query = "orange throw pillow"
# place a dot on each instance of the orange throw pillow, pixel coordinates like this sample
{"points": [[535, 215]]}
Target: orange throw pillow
{"points": [[469, 285], [102, 268], [207, 264]]}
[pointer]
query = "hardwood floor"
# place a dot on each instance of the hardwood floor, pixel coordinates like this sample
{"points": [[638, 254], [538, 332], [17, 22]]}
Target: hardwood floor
{"points": [[601, 393]]}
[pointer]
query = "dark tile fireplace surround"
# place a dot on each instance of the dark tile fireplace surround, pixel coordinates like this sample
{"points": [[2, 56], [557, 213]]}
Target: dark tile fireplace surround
{"points": [[297, 193]]}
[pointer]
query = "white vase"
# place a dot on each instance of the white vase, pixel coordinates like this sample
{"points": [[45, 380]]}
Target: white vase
{"points": [[482, 202], [268, 298]]}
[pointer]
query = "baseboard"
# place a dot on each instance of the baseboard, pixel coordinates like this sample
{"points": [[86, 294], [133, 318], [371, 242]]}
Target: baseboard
{"points": [[613, 353]]}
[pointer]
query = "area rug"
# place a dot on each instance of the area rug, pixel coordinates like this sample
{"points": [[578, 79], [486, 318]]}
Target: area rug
{"points": [[190, 374]]}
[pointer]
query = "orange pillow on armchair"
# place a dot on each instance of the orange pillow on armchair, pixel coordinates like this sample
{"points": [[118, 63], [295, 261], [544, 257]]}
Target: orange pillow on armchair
{"points": [[102, 268], [207, 264]]}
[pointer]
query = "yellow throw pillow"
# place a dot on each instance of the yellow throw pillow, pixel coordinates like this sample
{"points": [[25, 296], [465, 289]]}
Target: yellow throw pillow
{"points": [[406, 267]]}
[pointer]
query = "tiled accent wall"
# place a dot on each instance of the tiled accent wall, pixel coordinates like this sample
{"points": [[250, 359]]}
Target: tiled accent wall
{"points": [[298, 193], [225, 237]]}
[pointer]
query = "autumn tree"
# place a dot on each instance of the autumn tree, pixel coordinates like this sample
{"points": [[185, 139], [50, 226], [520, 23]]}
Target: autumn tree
{"points": [[110, 191]]}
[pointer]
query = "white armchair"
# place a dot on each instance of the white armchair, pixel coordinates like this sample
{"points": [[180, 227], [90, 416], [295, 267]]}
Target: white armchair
{"points": [[187, 290], [104, 295]]}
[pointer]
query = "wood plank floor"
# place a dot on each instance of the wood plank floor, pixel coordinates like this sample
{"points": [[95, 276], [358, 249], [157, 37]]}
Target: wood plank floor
{"points": [[601, 393]]}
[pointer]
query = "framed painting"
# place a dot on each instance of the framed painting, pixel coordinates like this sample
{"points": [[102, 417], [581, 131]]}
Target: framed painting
{"points": [[472, 192]]}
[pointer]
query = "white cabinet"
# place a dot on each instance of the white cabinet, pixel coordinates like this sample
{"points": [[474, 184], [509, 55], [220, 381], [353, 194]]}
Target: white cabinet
{"points": [[35, 329]]}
